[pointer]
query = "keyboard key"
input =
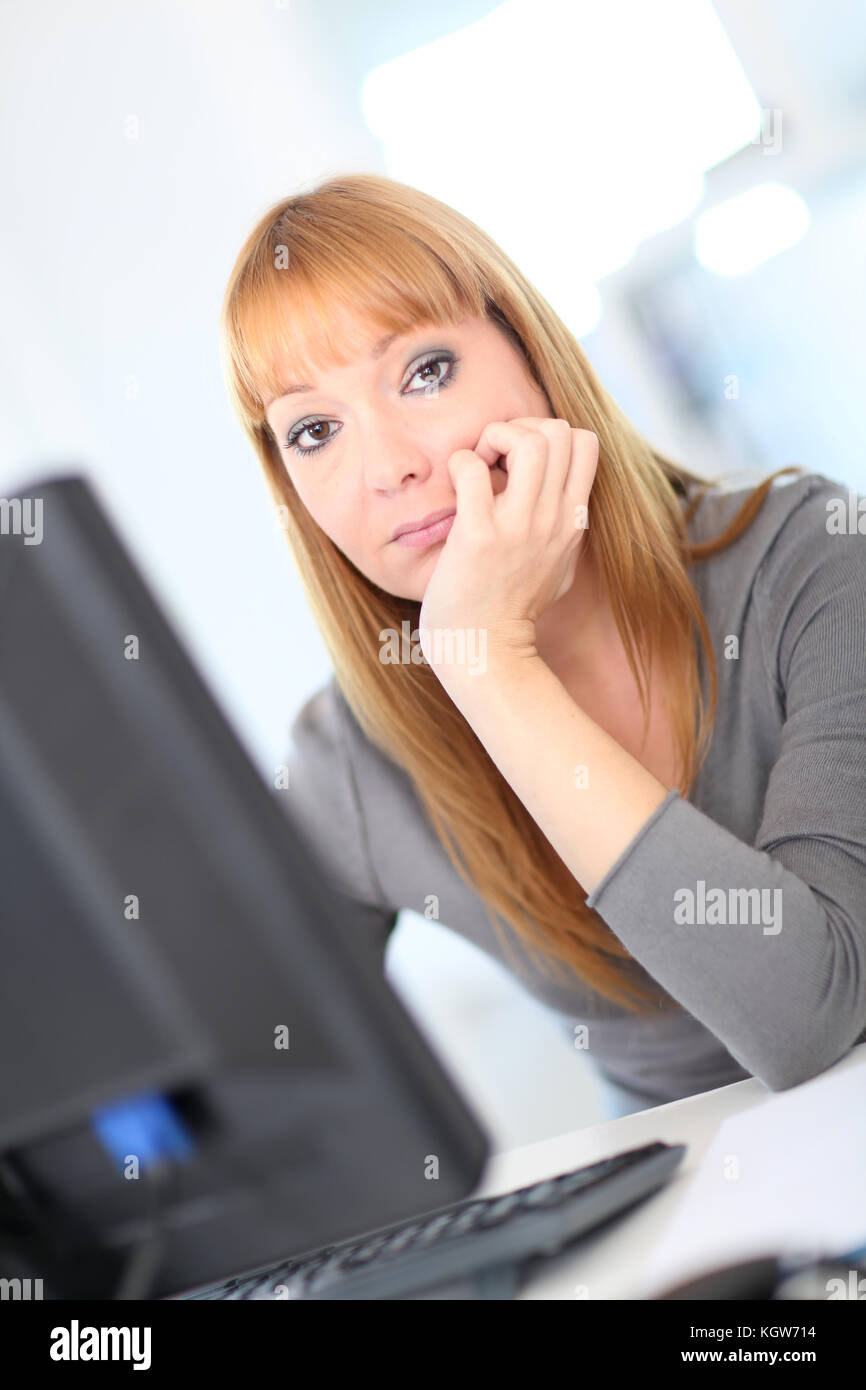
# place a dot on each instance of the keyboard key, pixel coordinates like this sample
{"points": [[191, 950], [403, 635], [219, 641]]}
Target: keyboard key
{"points": [[435, 1228], [538, 1195], [402, 1238], [360, 1254], [498, 1210], [324, 1274], [575, 1181], [468, 1218]]}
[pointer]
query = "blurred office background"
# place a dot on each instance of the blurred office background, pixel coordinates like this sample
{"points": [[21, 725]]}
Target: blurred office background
{"points": [[684, 181]]}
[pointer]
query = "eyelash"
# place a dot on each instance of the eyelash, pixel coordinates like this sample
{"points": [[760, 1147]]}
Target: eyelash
{"points": [[303, 425]]}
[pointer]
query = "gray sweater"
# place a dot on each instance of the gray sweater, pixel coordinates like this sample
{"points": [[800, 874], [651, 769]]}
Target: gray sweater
{"points": [[746, 903]]}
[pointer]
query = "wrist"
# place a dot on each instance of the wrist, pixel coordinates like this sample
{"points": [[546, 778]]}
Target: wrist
{"points": [[487, 655]]}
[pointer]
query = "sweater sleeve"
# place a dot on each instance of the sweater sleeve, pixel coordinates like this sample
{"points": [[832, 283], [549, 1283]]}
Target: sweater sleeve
{"points": [[781, 983], [322, 801]]}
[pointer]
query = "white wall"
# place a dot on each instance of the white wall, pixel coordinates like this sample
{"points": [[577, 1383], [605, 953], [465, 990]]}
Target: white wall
{"points": [[115, 249]]}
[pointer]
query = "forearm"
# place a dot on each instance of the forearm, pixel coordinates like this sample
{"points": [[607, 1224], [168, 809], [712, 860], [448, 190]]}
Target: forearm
{"points": [[585, 792]]}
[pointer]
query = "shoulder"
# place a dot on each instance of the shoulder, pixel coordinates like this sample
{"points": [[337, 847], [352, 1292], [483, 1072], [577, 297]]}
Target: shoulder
{"points": [[323, 734], [783, 501], [793, 528], [800, 568], [316, 728], [810, 588], [322, 794], [812, 517]]}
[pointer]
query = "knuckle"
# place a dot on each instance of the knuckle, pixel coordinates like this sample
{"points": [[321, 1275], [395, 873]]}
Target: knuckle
{"points": [[558, 429], [535, 447]]}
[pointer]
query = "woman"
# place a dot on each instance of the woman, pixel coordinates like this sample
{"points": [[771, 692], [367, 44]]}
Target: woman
{"points": [[663, 837]]}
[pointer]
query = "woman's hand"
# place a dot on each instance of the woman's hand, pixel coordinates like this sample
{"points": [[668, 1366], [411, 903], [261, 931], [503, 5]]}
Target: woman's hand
{"points": [[509, 555]]}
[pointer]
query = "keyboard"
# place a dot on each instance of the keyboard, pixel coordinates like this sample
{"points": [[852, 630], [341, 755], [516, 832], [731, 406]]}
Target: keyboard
{"points": [[477, 1248]]}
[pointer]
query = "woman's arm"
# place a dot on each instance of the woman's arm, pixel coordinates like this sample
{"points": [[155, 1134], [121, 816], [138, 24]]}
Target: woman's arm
{"points": [[586, 793], [505, 560], [764, 943], [784, 988]]}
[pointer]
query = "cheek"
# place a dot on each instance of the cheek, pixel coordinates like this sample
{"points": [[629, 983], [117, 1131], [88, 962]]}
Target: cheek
{"points": [[320, 507], [339, 529], [344, 526], [338, 514]]}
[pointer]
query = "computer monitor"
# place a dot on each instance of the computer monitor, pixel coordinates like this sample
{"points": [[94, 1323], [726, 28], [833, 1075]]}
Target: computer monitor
{"points": [[182, 991]]}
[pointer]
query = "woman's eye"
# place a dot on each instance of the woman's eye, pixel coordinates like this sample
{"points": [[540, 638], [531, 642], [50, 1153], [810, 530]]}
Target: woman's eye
{"points": [[432, 380], [430, 377], [309, 428]]}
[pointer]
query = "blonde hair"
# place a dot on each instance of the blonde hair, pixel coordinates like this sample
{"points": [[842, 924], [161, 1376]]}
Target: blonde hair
{"points": [[393, 257]]}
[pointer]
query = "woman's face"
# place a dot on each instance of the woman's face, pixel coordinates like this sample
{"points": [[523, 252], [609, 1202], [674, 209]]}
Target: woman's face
{"points": [[386, 425]]}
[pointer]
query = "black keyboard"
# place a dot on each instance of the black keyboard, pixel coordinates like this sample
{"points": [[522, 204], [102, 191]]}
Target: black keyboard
{"points": [[476, 1248]]}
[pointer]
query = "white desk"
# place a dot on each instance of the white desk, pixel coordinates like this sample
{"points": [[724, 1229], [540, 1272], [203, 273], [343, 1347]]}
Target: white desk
{"points": [[612, 1264]]}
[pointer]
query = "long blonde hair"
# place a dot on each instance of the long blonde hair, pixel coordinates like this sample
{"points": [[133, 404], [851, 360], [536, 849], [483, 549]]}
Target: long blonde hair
{"points": [[393, 257]]}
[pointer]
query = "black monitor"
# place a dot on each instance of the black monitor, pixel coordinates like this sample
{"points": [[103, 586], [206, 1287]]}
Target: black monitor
{"points": [[203, 1069]]}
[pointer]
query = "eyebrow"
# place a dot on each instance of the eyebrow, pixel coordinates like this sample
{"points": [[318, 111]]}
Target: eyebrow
{"points": [[381, 347]]}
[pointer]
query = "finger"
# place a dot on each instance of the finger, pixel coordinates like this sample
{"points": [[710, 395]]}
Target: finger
{"points": [[581, 476], [559, 459], [471, 478], [551, 502], [546, 499], [588, 446], [504, 437]]}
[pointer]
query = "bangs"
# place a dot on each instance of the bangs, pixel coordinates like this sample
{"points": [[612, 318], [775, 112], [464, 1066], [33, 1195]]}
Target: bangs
{"points": [[315, 291]]}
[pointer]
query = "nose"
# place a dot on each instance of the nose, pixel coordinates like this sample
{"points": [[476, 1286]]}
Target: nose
{"points": [[392, 452]]}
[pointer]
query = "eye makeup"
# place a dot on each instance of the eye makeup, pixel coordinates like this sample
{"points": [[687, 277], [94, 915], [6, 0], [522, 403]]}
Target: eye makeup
{"points": [[428, 360]]}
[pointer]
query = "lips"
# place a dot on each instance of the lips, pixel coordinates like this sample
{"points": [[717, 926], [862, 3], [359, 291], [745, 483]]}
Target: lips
{"points": [[427, 535], [423, 522]]}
